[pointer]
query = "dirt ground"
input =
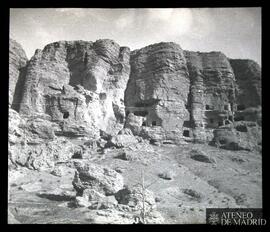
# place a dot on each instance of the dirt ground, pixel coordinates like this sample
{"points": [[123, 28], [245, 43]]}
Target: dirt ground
{"points": [[233, 180]]}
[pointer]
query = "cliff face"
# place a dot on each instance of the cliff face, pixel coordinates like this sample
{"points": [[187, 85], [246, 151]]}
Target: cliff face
{"points": [[17, 63], [161, 93], [158, 89], [212, 92], [78, 84]]}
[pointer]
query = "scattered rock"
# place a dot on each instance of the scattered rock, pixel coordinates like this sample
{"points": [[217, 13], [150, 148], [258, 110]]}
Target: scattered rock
{"points": [[92, 195], [192, 194], [58, 195], [97, 177], [57, 171], [133, 197], [122, 140], [201, 156], [167, 175]]}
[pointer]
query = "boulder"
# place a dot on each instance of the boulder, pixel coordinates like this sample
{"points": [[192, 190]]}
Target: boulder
{"points": [[135, 197], [93, 176], [200, 156], [167, 175], [239, 136], [122, 140]]}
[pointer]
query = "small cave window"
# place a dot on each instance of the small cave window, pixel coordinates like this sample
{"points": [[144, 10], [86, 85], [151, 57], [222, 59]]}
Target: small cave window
{"points": [[222, 141], [226, 107], [187, 124], [144, 124], [102, 96], [140, 113], [154, 123], [66, 115], [239, 118], [227, 122], [207, 107], [241, 107], [186, 133]]}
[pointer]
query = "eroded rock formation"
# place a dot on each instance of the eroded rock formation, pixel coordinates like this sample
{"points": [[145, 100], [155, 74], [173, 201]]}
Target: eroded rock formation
{"points": [[104, 93], [17, 64], [79, 84]]}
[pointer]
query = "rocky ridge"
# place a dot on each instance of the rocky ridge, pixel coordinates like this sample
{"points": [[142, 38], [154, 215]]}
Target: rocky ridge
{"points": [[75, 101], [79, 89]]}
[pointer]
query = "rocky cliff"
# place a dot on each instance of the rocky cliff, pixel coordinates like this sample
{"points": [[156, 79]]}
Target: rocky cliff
{"points": [[93, 90], [17, 63]]}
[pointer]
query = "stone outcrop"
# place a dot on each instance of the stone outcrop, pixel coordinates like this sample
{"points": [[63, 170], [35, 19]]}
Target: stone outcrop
{"points": [[17, 64], [212, 93], [79, 84], [103, 93], [158, 89], [241, 136], [92, 176]]}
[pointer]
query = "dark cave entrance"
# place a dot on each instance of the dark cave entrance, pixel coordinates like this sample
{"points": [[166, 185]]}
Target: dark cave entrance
{"points": [[66, 115], [154, 123], [140, 113], [241, 107], [186, 133], [239, 118]]}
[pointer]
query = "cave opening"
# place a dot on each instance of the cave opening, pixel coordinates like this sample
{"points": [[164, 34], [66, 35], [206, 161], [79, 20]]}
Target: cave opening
{"points": [[140, 113], [239, 118], [186, 133], [211, 120], [241, 107], [226, 107], [220, 123], [154, 123], [187, 124], [102, 96], [207, 107], [66, 115], [144, 124]]}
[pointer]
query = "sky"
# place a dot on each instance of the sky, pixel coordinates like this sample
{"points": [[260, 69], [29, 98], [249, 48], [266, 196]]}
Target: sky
{"points": [[234, 31]]}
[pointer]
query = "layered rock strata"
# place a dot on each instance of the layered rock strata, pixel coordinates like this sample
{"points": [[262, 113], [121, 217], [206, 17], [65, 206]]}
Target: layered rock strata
{"points": [[80, 89], [78, 84], [158, 90], [17, 64]]}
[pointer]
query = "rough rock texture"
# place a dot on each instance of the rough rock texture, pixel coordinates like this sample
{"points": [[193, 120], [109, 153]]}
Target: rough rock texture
{"points": [[248, 91], [135, 197], [212, 93], [102, 93], [93, 176], [158, 88], [79, 84], [32, 143], [241, 136], [17, 64]]}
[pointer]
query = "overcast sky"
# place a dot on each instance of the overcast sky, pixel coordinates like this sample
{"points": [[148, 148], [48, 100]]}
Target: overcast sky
{"points": [[234, 31]]}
